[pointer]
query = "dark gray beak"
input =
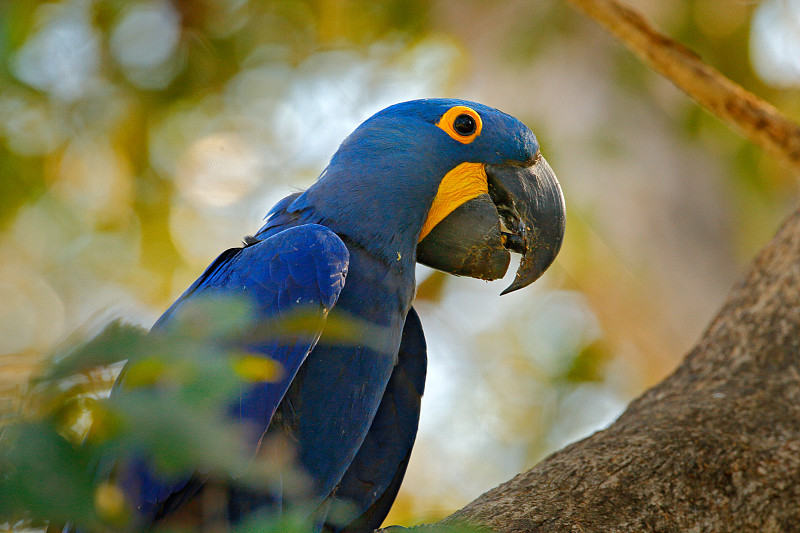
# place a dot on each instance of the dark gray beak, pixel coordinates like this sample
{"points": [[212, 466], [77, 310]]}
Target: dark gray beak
{"points": [[523, 213]]}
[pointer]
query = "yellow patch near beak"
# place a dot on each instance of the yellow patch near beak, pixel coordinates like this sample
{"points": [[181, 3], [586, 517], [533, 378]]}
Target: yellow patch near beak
{"points": [[463, 183]]}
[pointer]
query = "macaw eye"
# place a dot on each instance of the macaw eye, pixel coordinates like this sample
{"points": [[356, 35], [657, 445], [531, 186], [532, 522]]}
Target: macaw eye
{"points": [[461, 123], [464, 125]]}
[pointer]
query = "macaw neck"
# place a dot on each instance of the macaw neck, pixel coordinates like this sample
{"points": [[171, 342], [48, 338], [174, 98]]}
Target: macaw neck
{"points": [[376, 224], [379, 204]]}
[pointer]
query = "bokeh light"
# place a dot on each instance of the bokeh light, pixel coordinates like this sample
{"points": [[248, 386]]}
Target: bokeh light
{"points": [[144, 42], [62, 57], [775, 42]]}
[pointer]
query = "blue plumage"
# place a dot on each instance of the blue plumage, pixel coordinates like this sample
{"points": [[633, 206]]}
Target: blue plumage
{"points": [[346, 248], [374, 476], [302, 267]]}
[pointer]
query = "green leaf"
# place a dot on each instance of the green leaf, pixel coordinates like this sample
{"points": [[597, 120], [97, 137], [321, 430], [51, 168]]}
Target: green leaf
{"points": [[44, 477], [117, 342]]}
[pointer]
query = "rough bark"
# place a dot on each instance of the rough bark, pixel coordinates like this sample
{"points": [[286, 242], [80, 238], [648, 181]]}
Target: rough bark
{"points": [[714, 447]]}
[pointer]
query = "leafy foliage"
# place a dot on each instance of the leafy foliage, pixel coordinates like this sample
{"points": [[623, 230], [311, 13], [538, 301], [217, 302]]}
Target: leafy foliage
{"points": [[58, 455]]}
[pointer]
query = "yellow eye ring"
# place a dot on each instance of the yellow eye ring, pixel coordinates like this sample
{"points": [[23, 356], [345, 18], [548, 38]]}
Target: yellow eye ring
{"points": [[461, 123]]}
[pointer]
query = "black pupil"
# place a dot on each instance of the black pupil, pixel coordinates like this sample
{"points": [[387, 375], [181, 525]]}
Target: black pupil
{"points": [[464, 125]]}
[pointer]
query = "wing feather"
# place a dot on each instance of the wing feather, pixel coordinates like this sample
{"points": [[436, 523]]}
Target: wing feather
{"points": [[374, 477], [300, 268]]}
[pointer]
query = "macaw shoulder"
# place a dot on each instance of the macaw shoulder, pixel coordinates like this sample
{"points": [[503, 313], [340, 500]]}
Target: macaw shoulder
{"points": [[300, 265], [306, 262]]}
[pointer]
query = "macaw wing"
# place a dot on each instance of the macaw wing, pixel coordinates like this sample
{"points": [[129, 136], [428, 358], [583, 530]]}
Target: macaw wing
{"points": [[300, 268], [374, 477]]}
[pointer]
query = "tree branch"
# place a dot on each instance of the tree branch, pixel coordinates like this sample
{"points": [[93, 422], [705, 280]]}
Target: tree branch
{"points": [[753, 117], [714, 447]]}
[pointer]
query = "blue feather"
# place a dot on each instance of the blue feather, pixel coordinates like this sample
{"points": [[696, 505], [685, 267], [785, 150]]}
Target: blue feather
{"points": [[267, 272]]}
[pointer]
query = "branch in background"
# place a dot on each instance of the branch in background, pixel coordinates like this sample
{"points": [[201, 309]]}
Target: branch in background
{"points": [[753, 117]]}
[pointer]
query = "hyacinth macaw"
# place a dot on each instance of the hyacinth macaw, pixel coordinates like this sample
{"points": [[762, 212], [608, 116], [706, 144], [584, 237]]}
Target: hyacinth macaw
{"points": [[452, 184]]}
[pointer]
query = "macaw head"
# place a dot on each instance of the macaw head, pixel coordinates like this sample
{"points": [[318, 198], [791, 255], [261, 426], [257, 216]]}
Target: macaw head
{"points": [[454, 184]]}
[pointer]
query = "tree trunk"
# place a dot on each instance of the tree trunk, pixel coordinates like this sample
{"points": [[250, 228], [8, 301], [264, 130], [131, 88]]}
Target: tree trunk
{"points": [[714, 447]]}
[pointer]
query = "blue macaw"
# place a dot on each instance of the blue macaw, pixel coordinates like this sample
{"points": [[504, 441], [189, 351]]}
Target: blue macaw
{"points": [[452, 184]]}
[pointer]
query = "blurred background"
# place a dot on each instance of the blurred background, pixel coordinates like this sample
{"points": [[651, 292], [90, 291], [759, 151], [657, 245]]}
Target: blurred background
{"points": [[138, 139]]}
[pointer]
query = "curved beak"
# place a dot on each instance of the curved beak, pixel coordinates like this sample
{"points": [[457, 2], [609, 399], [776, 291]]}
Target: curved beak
{"points": [[523, 212]]}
